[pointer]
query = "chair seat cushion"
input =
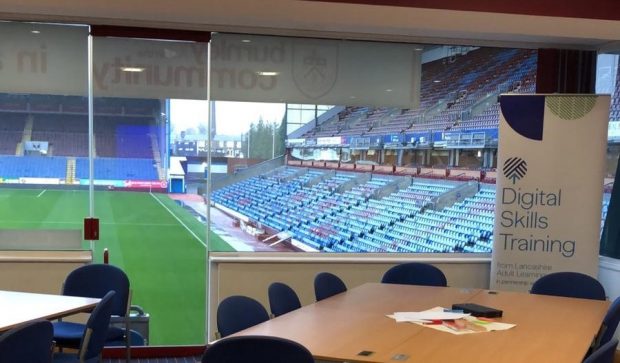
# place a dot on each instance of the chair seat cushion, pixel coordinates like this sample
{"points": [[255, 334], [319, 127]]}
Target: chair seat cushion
{"points": [[68, 334]]}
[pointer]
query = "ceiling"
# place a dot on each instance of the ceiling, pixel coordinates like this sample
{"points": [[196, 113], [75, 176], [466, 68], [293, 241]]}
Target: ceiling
{"points": [[330, 20]]}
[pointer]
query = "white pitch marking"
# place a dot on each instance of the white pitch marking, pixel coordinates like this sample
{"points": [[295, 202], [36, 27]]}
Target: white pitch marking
{"points": [[177, 218]]}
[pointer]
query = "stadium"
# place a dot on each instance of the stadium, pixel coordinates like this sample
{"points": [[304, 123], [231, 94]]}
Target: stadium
{"points": [[346, 178]]}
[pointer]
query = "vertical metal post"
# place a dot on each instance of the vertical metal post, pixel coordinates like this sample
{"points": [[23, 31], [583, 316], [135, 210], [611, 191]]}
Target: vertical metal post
{"points": [[91, 163], [208, 196]]}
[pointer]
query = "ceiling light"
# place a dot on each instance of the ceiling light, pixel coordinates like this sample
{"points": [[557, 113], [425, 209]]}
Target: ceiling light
{"points": [[388, 90], [246, 41], [271, 74], [419, 49], [436, 81], [35, 31], [132, 69]]}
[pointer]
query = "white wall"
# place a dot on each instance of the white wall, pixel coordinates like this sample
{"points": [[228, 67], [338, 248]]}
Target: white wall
{"points": [[251, 274]]}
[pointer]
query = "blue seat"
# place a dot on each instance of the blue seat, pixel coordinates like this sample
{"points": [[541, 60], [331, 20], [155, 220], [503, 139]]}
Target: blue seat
{"points": [[282, 299], [327, 284], [569, 284], [257, 349], [604, 354], [27, 343], [95, 280], [415, 273], [94, 336], [237, 312], [610, 323]]}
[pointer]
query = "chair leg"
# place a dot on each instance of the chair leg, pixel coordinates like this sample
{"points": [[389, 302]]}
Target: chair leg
{"points": [[127, 339]]}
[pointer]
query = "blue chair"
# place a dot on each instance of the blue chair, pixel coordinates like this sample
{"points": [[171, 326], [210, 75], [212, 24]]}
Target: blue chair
{"points": [[282, 299], [415, 273], [96, 280], [257, 349], [236, 313], [604, 354], [610, 324], [569, 284], [27, 343], [327, 284], [94, 336]]}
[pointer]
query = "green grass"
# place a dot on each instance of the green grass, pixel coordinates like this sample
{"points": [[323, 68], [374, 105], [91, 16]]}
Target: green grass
{"points": [[166, 263]]}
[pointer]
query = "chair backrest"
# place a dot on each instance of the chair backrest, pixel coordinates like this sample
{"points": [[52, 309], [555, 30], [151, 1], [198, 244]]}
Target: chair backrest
{"points": [[96, 280], [569, 284], [236, 313], [282, 299], [27, 343], [327, 284], [610, 323], [257, 349], [96, 330], [415, 273], [604, 354]]}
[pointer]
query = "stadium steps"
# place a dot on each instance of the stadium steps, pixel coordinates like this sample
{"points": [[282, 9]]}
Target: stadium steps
{"points": [[70, 172], [156, 156], [27, 136]]}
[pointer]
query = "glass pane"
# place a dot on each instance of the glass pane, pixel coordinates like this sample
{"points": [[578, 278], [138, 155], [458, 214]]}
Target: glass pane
{"points": [[153, 228], [367, 169], [43, 128], [607, 82]]}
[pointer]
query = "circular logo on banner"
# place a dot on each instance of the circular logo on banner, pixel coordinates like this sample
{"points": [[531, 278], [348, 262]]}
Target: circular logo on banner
{"points": [[515, 169]]}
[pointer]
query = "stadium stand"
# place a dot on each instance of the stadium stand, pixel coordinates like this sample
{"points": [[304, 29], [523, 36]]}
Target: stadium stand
{"points": [[123, 136], [11, 131], [66, 134], [451, 95], [15, 167], [118, 169], [345, 212], [342, 211]]}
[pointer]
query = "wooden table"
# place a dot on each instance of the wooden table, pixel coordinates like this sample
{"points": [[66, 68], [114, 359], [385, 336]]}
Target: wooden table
{"points": [[20, 307], [553, 329]]}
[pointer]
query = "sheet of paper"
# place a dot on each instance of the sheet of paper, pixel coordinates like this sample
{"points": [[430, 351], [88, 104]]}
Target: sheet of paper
{"points": [[436, 313], [474, 326], [466, 324]]}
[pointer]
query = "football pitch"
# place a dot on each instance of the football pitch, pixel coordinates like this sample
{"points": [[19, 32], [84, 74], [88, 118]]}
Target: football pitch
{"points": [[160, 245]]}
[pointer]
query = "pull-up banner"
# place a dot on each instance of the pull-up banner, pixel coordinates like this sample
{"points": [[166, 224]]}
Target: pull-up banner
{"points": [[550, 169]]}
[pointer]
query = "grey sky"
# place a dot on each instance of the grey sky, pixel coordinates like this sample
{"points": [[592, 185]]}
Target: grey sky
{"points": [[232, 118]]}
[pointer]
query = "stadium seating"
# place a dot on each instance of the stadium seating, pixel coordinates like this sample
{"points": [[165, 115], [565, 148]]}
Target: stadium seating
{"points": [[318, 210], [123, 137], [329, 216], [123, 127], [451, 88], [15, 167], [118, 169], [11, 131]]}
